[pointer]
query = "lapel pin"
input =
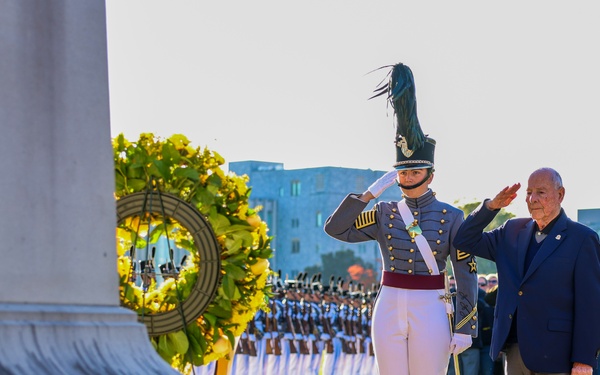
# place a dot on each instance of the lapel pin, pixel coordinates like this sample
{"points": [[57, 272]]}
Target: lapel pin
{"points": [[558, 237]]}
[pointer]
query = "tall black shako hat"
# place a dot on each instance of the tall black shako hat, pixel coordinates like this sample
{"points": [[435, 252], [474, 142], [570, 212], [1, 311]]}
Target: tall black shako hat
{"points": [[414, 150]]}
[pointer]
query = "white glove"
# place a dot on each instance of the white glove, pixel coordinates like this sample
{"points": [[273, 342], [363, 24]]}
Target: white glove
{"points": [[460, 342], [383, 183]]}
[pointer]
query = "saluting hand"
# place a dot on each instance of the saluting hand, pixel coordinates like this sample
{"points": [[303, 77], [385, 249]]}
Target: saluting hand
{"points": [[504, 197], [383, 183]]}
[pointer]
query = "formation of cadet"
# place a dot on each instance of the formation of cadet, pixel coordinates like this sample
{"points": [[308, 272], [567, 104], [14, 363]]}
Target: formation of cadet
{"points": [[311, 328]]}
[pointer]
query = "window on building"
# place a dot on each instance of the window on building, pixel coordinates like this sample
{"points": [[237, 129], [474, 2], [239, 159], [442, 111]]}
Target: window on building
{"points": [[269, 219], [319, 182], [281, 192], [296, 188], [295, 223], [319, 219], [295, 245]]}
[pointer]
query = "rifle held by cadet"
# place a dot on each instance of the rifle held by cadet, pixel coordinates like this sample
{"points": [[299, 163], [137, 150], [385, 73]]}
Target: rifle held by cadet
{"points": [[251, 328], [274, 341], [300, 328], [327, 330], [290, 328], [269, 332], [312, 328]]}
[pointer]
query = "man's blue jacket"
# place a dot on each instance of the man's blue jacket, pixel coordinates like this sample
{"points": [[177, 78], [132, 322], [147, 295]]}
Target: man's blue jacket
{"points": [[558, 298]]}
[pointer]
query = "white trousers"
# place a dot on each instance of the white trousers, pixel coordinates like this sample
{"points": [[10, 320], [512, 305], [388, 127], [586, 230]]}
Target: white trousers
{"points": [[411, 332]]}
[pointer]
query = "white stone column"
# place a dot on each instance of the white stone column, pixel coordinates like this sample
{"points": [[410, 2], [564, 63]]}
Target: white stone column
{"points": [[59, 303]]}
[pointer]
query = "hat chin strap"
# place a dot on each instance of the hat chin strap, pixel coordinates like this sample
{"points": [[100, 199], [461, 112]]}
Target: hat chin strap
{"points": [[410, 187]]}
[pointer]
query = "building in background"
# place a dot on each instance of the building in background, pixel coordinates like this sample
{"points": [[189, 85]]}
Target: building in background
{"points": [[295, 204], [590, 217]]}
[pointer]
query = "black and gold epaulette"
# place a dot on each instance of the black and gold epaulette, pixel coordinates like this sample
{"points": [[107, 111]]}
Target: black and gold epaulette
{"points": [[365, 219]]}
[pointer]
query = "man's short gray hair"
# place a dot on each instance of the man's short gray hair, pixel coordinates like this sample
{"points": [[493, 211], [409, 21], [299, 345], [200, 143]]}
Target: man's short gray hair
{"points": [[555, 176]]}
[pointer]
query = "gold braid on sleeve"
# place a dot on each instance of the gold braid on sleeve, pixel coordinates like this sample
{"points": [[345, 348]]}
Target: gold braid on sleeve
{"points": [[467, 318]]}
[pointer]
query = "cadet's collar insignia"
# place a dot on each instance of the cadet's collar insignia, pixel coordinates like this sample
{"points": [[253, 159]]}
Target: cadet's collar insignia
{"points": [[557, 237]]}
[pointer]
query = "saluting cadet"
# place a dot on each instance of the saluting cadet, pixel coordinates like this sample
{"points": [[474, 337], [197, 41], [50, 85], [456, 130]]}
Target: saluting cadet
{"points": [[411, 330]]}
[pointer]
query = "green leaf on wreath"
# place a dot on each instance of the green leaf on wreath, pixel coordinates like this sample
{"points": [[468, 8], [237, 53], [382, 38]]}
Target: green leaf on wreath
{"points": [[220, 312], [219, 223], [136, 184], [210, 318], [225, 304], [244, 236], [156, 233], [228, 286], [236, 293], [235, 272], [195, 351], [202, 342], [205, 198], [231, 338], [190, 173], [136, 171], [265, 253], [170, 153], [119, 182], [162, 167], [214, 180], [234, 245], [129, 292], [164, 348], [239, 259]]}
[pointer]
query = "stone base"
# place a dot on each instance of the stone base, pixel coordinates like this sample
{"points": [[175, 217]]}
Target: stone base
{"points": [[70, 339]]}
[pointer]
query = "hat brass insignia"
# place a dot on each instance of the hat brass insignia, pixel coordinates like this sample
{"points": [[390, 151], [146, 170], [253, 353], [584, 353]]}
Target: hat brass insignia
{"points": [[404, 147]]}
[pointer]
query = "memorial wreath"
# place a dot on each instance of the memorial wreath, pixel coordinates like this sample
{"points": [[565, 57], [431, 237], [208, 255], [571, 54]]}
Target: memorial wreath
{"points": [[181, 172]]}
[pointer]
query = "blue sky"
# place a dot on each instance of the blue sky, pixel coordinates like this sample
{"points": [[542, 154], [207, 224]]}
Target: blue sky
{"points": [[503, 87]]}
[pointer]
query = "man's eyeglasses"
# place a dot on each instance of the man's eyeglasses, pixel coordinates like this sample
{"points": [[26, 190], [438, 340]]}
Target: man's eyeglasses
{"points": [[482, 284]]}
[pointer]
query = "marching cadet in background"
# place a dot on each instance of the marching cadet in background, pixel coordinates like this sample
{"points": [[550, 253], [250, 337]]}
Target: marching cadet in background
{"points": [[313, 316], [270, 331], [330, 328], [265, 346], [411, 331]]}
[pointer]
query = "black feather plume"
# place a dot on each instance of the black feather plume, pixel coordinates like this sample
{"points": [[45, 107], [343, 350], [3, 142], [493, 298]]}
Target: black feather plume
{"points": [[400, 90]]}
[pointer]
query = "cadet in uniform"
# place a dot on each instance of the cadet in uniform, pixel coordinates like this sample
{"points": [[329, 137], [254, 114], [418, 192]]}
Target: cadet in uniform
{"points": [[411, 331]]}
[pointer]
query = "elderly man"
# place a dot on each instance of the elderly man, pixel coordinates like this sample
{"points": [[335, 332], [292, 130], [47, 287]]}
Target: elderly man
{"points": [[549, 270]]}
